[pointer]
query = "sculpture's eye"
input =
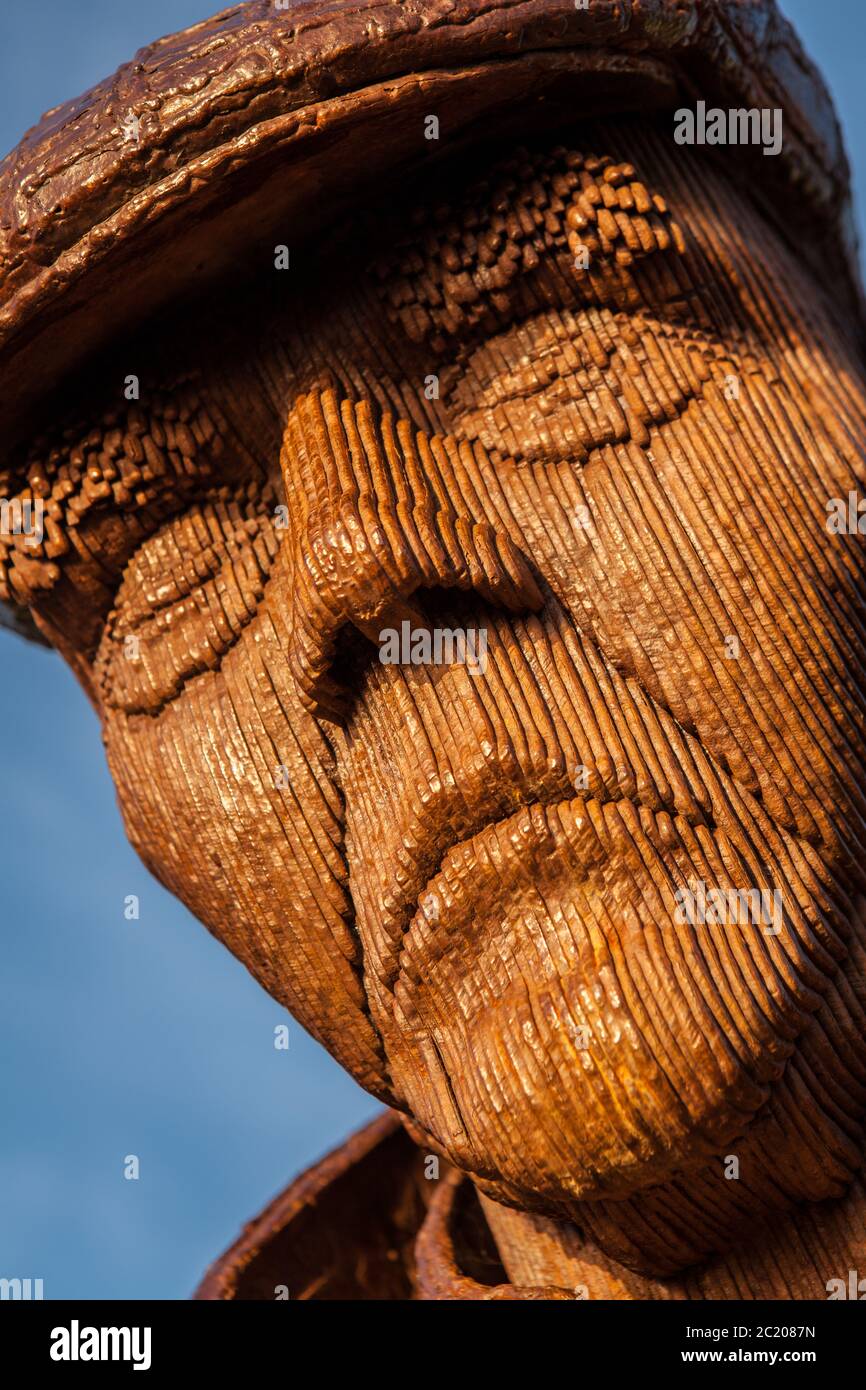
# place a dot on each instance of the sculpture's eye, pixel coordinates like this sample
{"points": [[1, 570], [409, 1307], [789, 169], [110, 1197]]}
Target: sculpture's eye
{"points": [[106, 479], [185, 598], [559, 385], [563, 301]]}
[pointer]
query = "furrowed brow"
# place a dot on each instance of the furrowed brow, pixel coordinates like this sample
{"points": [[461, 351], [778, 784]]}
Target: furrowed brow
{"points": [[553, 222]]}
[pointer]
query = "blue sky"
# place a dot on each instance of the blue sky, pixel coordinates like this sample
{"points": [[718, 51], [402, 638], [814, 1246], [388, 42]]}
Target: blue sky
{"points": [[146, 1037]]}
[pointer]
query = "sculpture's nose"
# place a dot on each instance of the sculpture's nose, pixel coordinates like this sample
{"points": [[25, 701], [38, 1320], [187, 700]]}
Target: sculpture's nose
{"points": [[370, 523]]}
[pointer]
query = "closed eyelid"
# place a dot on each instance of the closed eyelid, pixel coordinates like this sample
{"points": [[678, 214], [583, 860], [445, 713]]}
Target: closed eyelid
{"points": [[185, 599], [561, 385]]}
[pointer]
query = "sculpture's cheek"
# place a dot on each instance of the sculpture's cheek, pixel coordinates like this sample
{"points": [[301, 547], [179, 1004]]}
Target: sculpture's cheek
{"points": [[716, 585], [227, 793]]}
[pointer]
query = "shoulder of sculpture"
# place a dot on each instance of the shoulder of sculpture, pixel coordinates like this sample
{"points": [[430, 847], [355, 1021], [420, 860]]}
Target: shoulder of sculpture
{"points": [[345, 1228]]}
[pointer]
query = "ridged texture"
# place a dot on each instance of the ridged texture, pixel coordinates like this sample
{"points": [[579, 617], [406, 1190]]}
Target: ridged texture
{"points": [[464, 882]]}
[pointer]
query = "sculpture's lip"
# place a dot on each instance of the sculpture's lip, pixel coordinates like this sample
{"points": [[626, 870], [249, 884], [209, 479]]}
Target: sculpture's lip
{"points": [[425, 867], [528, 821], [415, 918]]}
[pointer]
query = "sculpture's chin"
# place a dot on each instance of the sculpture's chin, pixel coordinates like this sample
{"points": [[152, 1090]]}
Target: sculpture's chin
{"points": [[561, 1032]]}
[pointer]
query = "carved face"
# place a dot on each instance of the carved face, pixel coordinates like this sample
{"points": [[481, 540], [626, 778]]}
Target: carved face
{"points": [[514, 884]]}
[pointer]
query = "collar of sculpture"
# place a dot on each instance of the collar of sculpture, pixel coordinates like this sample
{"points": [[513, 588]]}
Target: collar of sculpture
{"points": [[380, 1218]]}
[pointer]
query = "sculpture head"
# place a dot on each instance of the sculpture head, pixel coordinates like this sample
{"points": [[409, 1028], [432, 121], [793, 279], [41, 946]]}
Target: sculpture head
{"points": [[578, 891]]}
